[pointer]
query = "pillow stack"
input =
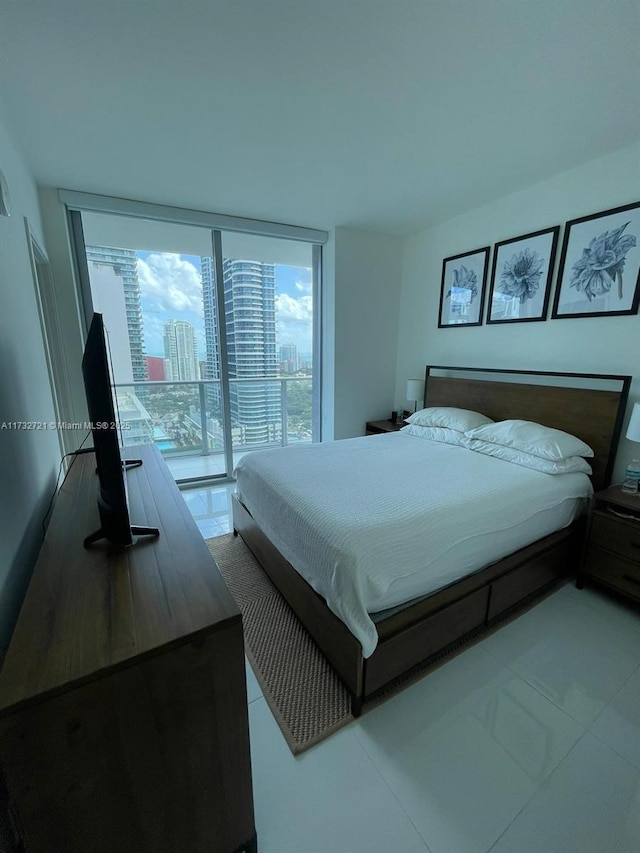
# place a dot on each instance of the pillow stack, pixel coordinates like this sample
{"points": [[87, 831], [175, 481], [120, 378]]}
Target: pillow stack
{"points": [[541, 448], [445, 424], [525, 443]]}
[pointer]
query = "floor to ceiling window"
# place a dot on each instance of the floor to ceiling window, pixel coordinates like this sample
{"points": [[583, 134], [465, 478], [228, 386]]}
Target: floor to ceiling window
{"points": [[213, 335]]}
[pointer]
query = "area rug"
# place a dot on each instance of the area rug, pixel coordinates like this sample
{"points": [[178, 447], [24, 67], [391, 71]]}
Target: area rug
{"points": [[306, 697]]}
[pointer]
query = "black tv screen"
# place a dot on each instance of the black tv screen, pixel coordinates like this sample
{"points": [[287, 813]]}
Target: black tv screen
{"points": [[112, 497]]}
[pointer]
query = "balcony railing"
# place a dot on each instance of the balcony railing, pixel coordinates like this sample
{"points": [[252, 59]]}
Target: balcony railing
{"points": [[184, 419]]}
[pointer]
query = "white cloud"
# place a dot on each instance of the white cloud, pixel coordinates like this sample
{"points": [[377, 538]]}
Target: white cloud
{"points": [[296, 310], [171, 288], [294, 321], [170, 283], [154, 334]]}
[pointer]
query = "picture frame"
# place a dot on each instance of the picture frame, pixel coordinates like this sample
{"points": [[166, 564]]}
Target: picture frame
{"points": [[462, 289], [521, 276], [599, 273]]}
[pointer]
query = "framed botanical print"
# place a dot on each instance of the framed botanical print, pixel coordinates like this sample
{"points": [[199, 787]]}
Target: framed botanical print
{"points": [[600, 265], [521, 277], [462, 291]]}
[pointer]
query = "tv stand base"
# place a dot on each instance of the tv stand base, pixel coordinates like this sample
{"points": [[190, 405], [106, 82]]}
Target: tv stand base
{"points": [[136, 530]]}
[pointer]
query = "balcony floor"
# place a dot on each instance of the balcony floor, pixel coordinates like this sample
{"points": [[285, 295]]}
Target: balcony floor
{"points": [[188, 467]]}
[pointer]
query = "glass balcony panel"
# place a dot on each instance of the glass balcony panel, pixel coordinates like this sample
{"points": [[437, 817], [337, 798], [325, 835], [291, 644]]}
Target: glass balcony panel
{"points": [[154, 282], [190, 437]]}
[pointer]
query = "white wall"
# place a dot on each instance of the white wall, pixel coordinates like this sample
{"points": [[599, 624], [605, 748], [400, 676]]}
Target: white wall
{"points": [[367, 273], [72, 345], [107, 292], [599, 345], [28, 459]]}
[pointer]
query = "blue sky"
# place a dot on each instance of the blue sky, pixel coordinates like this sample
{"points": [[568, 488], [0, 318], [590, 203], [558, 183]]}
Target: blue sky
{"points": [[171, 289]]}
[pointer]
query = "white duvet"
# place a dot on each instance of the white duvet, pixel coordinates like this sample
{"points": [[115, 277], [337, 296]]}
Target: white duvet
{"points": [[374, 522]]}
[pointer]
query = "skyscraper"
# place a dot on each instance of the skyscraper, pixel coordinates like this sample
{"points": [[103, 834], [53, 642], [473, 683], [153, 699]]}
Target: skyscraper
{"points": [[181, 350], [207, 272], [249, 311], [288, 358], [155, 368], [125, 265]]}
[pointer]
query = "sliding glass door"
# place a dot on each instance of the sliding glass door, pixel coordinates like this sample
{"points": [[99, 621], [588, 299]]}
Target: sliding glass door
{"points": [[212, 333], [268, 298]]}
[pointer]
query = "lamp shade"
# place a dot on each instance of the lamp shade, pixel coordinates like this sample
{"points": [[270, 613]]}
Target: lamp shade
{"points": [[633, 430], [415, 390]]}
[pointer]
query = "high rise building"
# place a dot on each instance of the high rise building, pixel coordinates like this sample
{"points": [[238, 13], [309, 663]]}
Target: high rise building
{"points": [[250, 315], [288, 358], [125, 265], [306, 361], [155, 368], [207, 272], [181, 350]]}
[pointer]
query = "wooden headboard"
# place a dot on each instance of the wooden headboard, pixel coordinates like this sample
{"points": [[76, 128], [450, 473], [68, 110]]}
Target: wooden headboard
{"points": [[592, 414]]}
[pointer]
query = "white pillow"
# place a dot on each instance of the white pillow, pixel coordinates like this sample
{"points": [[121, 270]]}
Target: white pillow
{"points": [[446, 436], [448, 417], [533, 438], [570, 465]]}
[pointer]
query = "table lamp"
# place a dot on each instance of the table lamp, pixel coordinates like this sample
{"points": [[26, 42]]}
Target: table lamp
{"points": [[631, 485], [415, 392]]}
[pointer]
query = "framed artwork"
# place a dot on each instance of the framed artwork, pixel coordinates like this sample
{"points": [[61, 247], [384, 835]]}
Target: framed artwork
{"points": [[600, 265], [464, 278], [521, 277]]}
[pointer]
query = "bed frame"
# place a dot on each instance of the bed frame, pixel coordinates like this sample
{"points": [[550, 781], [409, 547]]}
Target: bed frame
{"points": [[425, 631]]}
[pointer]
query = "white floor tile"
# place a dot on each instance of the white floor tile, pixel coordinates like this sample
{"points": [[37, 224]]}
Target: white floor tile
{"points": [[624, 613], [465, 749], [478, 748], [576, 655], [328, 800], [619, 724], [195, 502], [208, 529], [225, 524], [590, 804]]}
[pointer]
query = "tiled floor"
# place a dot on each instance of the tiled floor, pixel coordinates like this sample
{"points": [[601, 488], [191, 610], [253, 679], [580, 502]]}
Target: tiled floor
{"points": [[211, 508], [528, 742]]}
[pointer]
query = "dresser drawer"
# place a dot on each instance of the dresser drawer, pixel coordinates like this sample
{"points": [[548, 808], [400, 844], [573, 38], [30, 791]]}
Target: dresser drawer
{"points": [[616, 534], [622, 574]]}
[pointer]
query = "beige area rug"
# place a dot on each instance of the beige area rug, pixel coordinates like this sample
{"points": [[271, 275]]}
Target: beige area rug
{"points": [[306, 697]]}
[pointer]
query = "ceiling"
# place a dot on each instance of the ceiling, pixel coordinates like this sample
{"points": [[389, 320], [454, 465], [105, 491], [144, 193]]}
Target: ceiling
{"points": [[378, 114]]}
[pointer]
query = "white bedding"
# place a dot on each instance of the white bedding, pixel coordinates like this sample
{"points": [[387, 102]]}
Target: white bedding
{"points": [[374, 522]]}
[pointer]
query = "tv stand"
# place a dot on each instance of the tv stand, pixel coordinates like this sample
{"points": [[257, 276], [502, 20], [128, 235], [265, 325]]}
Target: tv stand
{"points": [[136, 530], [131, 463], [123, 704]]}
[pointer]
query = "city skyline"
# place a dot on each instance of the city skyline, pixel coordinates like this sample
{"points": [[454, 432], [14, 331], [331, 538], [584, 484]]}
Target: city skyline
{"points": [[268, 316], [123, 263], [180, 351], [171, 289]]}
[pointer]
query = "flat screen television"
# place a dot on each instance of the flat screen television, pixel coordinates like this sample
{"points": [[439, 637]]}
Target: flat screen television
{"points": [[113, 510]]}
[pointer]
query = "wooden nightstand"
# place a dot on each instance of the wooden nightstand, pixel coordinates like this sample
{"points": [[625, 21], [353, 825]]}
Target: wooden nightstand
{"points": [[376, 427], [612, 552]]}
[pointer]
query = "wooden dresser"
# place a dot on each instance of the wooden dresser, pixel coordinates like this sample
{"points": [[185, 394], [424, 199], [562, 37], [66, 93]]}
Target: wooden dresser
{"points": [[612, 553], [123, 708]]}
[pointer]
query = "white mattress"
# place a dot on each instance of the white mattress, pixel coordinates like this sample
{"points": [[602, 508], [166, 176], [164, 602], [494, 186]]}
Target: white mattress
{"points": [[377, 521]]}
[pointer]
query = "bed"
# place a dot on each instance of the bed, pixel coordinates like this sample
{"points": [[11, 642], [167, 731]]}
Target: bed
{"points": [[493, 538]]}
